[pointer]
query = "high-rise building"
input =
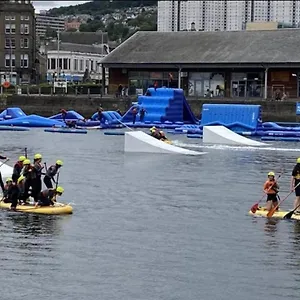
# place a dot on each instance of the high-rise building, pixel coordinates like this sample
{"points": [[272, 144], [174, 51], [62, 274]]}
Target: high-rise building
{"points": [[17, 42], [44, 22], [174, 15]]}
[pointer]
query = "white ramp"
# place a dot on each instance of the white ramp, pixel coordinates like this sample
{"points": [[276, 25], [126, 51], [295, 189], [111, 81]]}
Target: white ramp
{"points": [[6, 171], [139, 141], [222, 135]]}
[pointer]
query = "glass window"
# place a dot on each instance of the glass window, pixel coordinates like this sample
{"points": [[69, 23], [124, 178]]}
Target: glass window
{"points": [[13, 18], [26, 28], [48, 63], [13, 43], [65, 67], [12, 28], [25, 61], [53, 64], [75, 64], [7, 43], [87, 64], [7, 60], [26, 43], [27, 18], [22, 28], [7, 18], [60, 63], [92, 65], [81, 65], [7, 28]]}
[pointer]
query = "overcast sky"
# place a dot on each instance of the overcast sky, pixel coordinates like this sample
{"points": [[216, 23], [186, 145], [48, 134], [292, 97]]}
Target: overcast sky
{"points": [[45, 5]]}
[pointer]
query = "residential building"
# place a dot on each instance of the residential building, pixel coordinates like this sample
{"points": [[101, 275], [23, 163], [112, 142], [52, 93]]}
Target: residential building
{"points": [[70, 61], [236, 64], [74, 24], [44, 21], [17, 42], [174, 15]]}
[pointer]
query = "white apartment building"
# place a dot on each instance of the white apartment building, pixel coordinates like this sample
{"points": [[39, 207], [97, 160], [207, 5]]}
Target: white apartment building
{"points": [[224, 14], [43, 21], [71, 60]]}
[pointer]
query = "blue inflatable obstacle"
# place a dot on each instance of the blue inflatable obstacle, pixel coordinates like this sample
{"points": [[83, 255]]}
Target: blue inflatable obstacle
{"points": [[236, 117], [31, 121], [165, 107], [12, 113], [110, 119], [70, 116]]}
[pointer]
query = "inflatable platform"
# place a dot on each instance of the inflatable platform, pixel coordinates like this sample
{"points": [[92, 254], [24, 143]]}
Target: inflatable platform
{"points": [[139, 141], [165, 107], [12, 113], [31, 121]]}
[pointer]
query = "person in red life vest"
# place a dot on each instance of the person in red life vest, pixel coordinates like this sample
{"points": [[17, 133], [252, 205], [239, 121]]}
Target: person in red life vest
{"points": [[11, 193], [18, 168], [271, 188], [134, 113], [48, 197], [51, 172], [36, 182], [63, 114]]}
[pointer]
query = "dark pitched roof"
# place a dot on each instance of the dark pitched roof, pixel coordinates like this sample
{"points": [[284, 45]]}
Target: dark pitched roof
{"points": [[267, 46], [87, 38], [96, 49]]}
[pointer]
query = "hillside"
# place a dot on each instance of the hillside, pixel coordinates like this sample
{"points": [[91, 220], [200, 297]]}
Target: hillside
{"points": [[120, 19]]}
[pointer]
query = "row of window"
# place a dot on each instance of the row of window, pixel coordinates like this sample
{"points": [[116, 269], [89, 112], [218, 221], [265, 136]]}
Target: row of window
{"points": [[78, 64], [10, 60], [13, 18], [11, 43], [11, 28]]}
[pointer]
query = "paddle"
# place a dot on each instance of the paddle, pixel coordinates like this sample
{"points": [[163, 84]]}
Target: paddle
{"points": [[255, 206], [272, 211], [25, 151], [289, 214]]}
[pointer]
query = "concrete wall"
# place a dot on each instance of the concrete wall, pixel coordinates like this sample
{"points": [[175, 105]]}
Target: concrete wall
{"points": [[284, 111]]}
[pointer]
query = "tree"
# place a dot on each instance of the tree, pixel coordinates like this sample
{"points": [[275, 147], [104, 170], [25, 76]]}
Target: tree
{"points": [[50, 32]]}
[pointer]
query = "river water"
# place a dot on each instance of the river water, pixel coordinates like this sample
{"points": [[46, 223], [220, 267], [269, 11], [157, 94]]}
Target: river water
{"points": [[149, 226]]}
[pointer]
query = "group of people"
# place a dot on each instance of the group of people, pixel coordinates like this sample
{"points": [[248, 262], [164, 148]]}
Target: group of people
{"points": [[26, 181], [135, 111], [271, 188], [158, 134]]}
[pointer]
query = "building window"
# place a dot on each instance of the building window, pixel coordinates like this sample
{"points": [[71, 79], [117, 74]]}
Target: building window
{"points": [[87, 64], [26, 28], [53, 64], [48, 63], [13, 18], [81, 65], [26, 18], [10, 43], [24, 61], [7, 43], [7, 18], [12, 28], [7, 28], [92, 65], [75, 64], [65, 66], [24, 43], [10, 60]]}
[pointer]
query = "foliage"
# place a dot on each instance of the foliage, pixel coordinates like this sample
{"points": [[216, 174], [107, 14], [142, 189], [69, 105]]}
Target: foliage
{"points": [[118, 30], [50, 32]]}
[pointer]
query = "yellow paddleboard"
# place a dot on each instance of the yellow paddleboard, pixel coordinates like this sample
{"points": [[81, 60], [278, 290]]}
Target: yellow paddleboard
{"points": [[262, 212]]}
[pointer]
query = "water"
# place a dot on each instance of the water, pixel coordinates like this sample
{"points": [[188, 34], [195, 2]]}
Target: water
{"points": [[151, 226]]}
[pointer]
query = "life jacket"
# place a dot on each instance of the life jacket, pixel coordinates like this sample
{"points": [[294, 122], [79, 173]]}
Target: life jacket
{"points": [[271, 187]]}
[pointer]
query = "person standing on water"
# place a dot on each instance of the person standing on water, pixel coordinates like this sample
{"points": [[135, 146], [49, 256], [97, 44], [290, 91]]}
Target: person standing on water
{"points": [[271, 188], [294, 181], [18, 168]]}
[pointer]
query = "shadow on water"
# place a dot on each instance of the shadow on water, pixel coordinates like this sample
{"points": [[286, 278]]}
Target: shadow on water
{"points": [[35, 225]]}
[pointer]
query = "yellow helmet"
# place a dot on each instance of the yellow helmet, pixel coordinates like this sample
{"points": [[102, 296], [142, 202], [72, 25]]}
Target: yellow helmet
{"points": [[271, 174], [21, 178], [22, 158], [59, 189], [26, 162], [59, 162], [298, 160], [8, 180], [38, 156]]}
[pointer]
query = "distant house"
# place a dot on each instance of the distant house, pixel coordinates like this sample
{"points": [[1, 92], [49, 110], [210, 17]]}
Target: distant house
{"points": [[238, 64]]}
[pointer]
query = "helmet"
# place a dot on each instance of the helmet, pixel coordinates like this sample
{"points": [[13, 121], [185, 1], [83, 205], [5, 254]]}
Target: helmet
{"points": [[22, 158], [271, 174], [59, 189], [21, 178], [26, 162], [38, 156], [8, 180], [59, 162], [298, 160]]}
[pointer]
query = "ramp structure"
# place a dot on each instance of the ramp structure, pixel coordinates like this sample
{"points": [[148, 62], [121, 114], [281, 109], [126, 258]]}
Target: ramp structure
{"points": [[139, 141], [222, 135], [12, 113], [6, 171], [163, 105]]}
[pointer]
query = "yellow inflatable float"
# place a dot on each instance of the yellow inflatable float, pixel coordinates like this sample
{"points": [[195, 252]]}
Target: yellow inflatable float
{"points": [[57, 209]]}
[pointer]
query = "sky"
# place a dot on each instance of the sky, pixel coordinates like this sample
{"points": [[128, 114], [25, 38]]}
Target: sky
{"points": [[45, 5]]}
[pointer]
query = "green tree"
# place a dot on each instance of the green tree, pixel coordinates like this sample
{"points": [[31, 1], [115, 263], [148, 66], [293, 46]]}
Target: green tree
{"points": [[50, 32]]}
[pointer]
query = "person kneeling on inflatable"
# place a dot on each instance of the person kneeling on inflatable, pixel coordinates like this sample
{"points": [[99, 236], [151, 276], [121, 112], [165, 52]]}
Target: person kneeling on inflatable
{"points": [[11, 193], [162, 136], [271, 188], [48, 197]]}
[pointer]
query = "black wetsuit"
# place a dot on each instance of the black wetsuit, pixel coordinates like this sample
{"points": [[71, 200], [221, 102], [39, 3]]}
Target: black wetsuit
{"points": [[46, 197], [51, 172], [17, 171], [12, 195]]}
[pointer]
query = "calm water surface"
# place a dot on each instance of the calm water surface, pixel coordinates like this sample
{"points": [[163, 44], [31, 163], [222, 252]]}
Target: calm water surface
{"points": [[151, 227]]}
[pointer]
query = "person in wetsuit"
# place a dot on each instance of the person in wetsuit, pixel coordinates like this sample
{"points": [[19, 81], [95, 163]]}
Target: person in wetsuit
{"points": [[36, 182], [18, 168], [1, 179], [28, 173], [271, 188], [142, 114], [48, 197], [11, 193], [294, 181], [51, 172]]}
